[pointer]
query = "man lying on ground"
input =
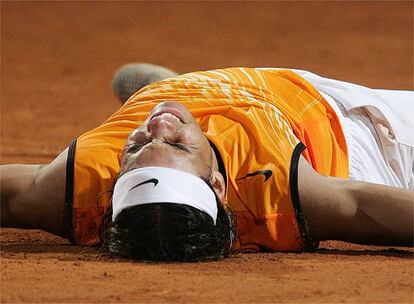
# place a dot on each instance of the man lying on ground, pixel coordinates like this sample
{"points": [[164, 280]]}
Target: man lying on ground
{"points": [[197, 166]]}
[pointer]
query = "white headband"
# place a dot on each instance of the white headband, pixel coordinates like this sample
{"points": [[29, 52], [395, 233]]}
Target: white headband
{"points": [[162, 185]]}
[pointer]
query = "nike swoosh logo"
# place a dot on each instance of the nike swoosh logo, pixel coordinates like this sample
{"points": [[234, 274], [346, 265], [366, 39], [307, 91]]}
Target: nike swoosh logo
{"points": [[267, 174], [152, 180]]}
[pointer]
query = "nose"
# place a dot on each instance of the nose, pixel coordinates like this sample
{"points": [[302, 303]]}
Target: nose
{"points": [[161, 128]]}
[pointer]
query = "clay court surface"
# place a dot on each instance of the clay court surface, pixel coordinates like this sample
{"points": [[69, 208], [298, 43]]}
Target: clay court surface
{"points": [[57, 61]]}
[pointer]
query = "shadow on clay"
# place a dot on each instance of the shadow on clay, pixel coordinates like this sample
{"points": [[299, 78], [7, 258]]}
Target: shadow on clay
{"points": [[391, 252]]}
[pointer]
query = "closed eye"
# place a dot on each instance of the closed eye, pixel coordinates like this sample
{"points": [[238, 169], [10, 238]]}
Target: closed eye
{"points": [[132, 148], [179, 146]]}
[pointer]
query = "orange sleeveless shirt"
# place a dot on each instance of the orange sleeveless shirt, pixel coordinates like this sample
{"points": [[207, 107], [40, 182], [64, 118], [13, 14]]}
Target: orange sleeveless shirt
{"points": [[259, 121]]}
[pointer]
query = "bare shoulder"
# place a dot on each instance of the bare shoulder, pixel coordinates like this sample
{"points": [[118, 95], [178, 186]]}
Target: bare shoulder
{"points": [[33, 196], [321, 197]]}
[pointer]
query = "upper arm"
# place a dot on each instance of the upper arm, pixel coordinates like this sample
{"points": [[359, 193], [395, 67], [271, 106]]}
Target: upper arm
{"points": [[355, 211], [320, 202], [33, 196]]}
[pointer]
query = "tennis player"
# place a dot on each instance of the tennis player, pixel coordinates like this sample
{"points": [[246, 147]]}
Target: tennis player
{"points": [[197, 166]]}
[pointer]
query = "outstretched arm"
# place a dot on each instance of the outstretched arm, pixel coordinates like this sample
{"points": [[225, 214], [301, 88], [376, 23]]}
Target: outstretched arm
{"points": [[354, 211], [32, 196]]}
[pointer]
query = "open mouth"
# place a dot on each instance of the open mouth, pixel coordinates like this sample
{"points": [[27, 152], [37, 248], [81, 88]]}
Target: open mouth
{"points": [[169, 113]]}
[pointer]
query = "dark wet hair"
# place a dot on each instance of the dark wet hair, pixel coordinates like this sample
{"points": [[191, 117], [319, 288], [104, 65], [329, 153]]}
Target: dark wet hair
{"points": [[170, 232]]}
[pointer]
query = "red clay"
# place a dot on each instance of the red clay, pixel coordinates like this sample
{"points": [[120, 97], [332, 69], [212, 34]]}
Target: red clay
{"points": [[57, 59]]}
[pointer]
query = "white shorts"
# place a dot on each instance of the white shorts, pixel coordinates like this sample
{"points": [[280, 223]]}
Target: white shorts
{"points": [[379, 129], [374, 153]]}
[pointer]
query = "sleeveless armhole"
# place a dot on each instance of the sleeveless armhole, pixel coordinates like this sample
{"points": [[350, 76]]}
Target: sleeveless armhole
{"points": [[310, 244], [70, 168]]}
